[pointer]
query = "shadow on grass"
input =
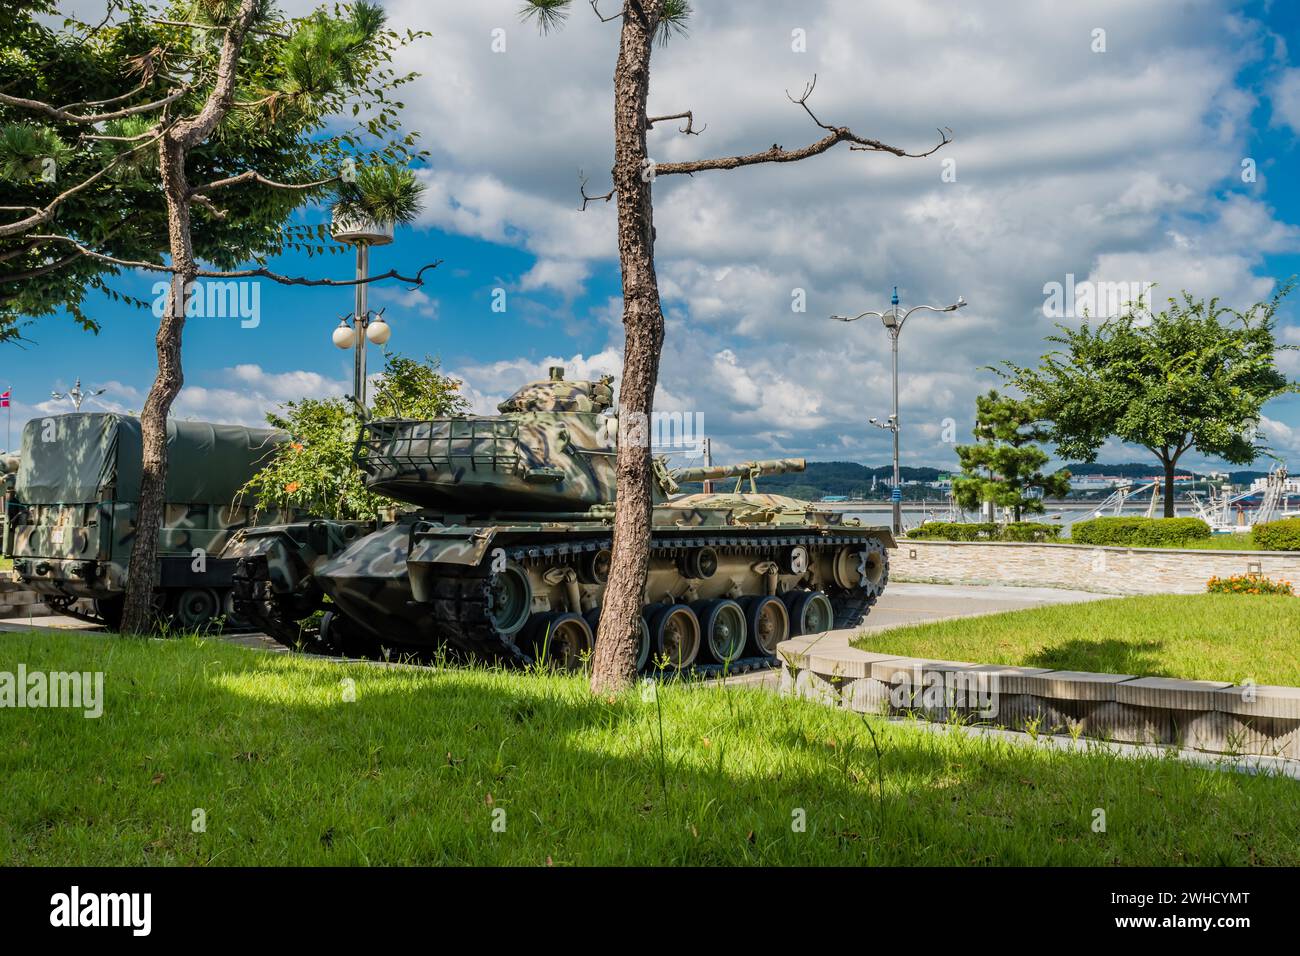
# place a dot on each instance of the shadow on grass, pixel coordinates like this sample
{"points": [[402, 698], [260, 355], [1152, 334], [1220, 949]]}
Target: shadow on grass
{"points": [[1104, 655], [425, 765]]}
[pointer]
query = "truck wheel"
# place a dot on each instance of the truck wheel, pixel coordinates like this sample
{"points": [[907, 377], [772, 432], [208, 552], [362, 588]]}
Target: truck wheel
{"points": [[194, 609]]}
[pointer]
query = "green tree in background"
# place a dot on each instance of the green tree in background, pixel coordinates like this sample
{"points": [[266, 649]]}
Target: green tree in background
{"points": [[1170, 381], [1005, 465], [315, 470]]}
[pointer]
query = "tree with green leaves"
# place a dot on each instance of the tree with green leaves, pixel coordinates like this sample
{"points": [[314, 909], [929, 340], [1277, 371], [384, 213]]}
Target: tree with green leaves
{"points": [[193, 134], [642, 23], [1005, 466], [1195, 375], [315, 470]]}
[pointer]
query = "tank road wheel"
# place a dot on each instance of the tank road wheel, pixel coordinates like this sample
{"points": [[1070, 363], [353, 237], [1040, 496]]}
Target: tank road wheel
{"points": [[723, 624], [110, 611], [643, 644], [767, 621], [810, 612], [698, 563], [675, 636], [560, 638], [234, 620], [509, 599], [340, 636], [194, 609]]}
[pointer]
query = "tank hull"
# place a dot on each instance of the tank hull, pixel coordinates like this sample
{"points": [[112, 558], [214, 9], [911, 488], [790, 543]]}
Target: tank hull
{"points": [[486, 590]]}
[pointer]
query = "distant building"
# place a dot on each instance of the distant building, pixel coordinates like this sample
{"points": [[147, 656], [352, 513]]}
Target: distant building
{"points": [[1291, 486]]}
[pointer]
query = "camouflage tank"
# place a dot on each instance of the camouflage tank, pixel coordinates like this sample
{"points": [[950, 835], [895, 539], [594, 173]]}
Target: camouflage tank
{"points": [[506, 551]]}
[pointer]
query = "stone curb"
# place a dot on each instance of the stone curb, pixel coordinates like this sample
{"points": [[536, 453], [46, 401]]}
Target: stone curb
{"points": [[1212, 716]]}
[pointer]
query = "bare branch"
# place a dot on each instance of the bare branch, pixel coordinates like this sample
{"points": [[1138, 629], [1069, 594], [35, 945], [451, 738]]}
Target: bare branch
{"points": [[261, 31], [213, 209], [253, 176], [415, 281], [601, 17], [689, 129], [64, 116], [582, 188], [779, 154]]}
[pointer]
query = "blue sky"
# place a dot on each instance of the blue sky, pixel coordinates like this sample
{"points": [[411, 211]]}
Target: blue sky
{"points": [[1114, 165]]}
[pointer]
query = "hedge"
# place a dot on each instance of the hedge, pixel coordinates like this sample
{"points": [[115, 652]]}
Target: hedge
{"points": [[985, 531], [1139, 532], [1281, 535]]}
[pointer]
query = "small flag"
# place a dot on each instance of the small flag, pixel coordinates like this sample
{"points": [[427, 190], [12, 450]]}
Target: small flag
{"points": [[4, 398]]}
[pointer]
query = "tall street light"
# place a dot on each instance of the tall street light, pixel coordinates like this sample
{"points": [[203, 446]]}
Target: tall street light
{"points": [[893, 321], [362, 233]]}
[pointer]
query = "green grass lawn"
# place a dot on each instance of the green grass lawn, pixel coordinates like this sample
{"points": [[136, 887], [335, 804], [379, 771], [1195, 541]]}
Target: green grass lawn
{"points": [[1196, 636], [415, 769]]}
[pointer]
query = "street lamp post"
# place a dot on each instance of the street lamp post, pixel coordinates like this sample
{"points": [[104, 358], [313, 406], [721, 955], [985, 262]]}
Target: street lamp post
{"points": [[893, 321], [76, 395], [362, 233]]}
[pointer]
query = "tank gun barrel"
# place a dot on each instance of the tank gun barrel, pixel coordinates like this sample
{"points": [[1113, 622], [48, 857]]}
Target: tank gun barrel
{"points": [[743, 469]]}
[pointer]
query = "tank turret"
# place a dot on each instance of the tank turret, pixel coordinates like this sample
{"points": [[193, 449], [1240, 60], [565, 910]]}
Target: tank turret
{"points": [[551, 449]]}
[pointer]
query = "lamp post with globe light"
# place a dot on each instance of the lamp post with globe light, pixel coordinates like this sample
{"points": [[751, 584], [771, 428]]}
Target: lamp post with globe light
{"points": [[893, 321], [363, 233]]}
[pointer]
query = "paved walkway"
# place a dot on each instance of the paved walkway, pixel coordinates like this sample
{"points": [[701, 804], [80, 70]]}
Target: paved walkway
{"points": [[903, 604]]}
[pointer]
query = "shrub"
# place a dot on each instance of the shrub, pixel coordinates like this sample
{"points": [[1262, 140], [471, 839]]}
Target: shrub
{"points": [[1158, 532], [1030, 531], [1248, 584], [985, 531], [1281, 535], [1103, 531], [1139, 532]]}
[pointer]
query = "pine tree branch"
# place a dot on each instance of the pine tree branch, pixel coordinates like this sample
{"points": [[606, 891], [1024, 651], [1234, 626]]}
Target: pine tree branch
{"points": [[260, 272], [253, 176], [46, 212], [778, 154]]}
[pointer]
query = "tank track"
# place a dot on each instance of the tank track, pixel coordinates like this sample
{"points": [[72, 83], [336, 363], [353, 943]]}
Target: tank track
{"points": [[461, 596], [276, 616]]}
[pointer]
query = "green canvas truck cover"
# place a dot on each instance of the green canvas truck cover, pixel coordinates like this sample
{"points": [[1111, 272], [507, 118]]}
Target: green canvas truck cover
{"points": [[89, 456]]}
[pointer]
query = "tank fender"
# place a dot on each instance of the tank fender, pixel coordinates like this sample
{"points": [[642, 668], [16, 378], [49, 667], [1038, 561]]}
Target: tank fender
{"points": [[435, 546], [451, 545]]}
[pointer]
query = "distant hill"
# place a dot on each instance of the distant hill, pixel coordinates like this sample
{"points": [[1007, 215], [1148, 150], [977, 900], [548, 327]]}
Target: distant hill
{"points": [[847, 478], [853, 480]]}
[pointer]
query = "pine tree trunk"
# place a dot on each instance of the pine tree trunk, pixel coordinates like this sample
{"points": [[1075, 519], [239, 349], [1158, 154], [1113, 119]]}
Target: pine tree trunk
{"points": [[142, 571], [614, 663]]}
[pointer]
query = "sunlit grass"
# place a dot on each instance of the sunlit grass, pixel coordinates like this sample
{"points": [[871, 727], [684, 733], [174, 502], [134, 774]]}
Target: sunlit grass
{"points": [[1224, 637], [420, 765]]}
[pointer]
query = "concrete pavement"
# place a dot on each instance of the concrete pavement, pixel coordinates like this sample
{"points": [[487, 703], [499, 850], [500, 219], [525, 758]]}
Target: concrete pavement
{"points": [[904, 604]]}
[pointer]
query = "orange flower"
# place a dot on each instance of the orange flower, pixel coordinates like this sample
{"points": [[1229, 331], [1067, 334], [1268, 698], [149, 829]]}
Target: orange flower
{"points": [[292, 486]]}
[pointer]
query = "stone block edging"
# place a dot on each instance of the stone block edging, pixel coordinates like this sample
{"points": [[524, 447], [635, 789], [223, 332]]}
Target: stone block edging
{"points": [[1212, 716]]}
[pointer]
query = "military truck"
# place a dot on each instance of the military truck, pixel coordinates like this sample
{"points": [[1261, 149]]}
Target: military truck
{"points": [[506, 553], [75, 500]]}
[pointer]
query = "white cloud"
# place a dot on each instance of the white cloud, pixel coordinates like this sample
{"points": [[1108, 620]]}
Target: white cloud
{"points": [[1286, 99]]}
